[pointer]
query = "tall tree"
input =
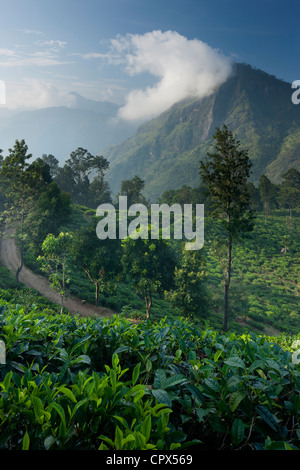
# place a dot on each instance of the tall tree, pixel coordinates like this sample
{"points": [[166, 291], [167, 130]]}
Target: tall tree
{"points": [[20, 183], [99, 188], [73, 177], [255, 199], [151, 264], [98, 259], [52, 209], [55, 262], [52, 162], [100, 192], [133, 188], [65, 179], [82, 177], [225, 174], [190, 293], [267, 192], [289, 190]]}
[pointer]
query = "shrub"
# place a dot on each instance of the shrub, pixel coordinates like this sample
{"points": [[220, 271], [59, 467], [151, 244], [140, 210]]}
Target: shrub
{"points": [[89, 383]]}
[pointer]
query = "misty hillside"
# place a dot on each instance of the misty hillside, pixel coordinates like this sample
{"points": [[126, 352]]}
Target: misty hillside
{"points": [[60, 130], [166, 151]]}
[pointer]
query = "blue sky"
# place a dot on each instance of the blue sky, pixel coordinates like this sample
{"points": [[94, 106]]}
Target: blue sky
{"points": [[50, 48]]}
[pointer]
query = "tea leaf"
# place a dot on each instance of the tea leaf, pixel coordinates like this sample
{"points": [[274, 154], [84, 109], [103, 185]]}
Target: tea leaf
{"points": [[26, 441], [237, 431]]}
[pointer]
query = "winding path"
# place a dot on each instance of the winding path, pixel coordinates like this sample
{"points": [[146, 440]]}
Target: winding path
{"points": [[11, 259]]}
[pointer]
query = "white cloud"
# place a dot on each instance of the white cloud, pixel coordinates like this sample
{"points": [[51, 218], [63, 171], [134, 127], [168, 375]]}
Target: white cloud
{"points": [[7, 52], [37, 59], [184, 68], [93, 55], [29, 31], [53, 45], [38, 54], [36, 94]]}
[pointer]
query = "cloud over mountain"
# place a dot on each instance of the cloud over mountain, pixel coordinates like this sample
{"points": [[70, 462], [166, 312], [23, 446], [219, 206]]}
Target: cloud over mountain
{"points": [[36, 94], [184, 69]]}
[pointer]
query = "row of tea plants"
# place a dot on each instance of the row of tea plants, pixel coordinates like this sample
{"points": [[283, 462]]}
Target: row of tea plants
{"points": [[74, 382]]}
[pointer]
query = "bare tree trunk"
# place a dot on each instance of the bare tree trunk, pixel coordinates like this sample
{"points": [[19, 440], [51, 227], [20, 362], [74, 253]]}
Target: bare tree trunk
{"points": [[63, 288], [97, 294], [21, 249], [266, 211], [226, 285], [62, 304], [148, 303]]}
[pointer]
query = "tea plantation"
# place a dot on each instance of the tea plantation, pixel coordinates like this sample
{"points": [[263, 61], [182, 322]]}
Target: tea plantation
{"points": [[113, 384]]}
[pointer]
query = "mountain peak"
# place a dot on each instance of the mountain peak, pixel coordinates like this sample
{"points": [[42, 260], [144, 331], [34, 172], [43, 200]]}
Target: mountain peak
{"points": [[166, 151], [102, 107]]}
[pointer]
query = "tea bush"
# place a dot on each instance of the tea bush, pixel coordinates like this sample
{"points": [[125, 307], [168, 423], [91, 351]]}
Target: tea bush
{"points": [[109, 383]]}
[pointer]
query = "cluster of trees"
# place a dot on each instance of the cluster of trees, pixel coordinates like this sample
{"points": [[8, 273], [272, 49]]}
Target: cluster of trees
{"points": [[82, 177], [36, 198], [284, 195], [264, 196], [231, 198], [32, 204], [152, 266]]}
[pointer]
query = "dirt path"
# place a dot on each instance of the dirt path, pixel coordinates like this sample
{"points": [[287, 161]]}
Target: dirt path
{"points": [[10, 258]]}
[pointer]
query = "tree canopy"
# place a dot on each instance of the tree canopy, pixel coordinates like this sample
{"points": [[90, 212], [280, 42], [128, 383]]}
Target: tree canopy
{"points": [[225, 175]]}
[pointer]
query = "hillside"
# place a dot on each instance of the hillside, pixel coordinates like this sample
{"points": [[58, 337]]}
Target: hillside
{"points": [[166, 151], [265, 285], [86, 384], [78, 381]]}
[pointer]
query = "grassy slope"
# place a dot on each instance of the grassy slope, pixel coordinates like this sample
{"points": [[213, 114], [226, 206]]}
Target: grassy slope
{"points": [[264, 293], [288, 157], [265, 289], [233, 391]]}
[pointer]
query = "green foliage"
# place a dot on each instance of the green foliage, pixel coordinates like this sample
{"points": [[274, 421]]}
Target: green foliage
{"points": [[53, 208], [83, 383], [225, 174], [184, 195], [55, 261], [98, 259], [150, 263], [289, 190], [75, 178], [21, 183], [132, 189], [166, 150], [264, 285], [268, 192], [190, 293], [6, 279]]}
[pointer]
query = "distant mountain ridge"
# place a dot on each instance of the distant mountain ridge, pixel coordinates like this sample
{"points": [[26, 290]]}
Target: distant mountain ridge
{"points": [[166, 151], [60, 130]]}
